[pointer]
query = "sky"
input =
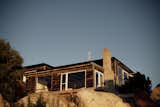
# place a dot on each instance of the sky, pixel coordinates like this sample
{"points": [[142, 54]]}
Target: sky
{"points": [[59, 32]]}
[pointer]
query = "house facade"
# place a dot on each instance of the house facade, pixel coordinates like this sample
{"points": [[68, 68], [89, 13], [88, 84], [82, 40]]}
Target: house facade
{"points": [[101, 73]]}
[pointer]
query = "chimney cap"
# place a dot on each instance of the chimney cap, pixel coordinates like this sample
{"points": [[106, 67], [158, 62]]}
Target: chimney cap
{"points": [[106, 51]]}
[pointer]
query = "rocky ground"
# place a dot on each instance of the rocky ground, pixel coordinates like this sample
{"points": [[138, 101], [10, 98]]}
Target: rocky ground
{"points": [[84, 98]]}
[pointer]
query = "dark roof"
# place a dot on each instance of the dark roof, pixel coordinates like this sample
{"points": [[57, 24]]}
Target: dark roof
{"points": [[123, 65], [97, 61], [38, 65]]}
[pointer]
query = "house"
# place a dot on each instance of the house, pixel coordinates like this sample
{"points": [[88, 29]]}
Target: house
{"points": [[107, 72]]}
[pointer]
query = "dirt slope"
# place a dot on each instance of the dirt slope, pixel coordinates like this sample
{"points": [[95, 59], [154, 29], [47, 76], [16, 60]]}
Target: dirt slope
{"points": [[84, 98]]}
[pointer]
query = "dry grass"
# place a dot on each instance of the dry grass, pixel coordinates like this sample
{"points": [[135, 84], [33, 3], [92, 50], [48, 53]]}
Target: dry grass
{"points": [[83, 98]]}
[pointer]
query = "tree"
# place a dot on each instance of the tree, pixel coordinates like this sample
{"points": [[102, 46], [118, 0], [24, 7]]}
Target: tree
{"points": [[10, 71], [136, 83], [155, 95]]}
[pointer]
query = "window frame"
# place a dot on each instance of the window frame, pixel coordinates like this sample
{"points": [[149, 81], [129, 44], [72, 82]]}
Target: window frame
{"points": [[66, 79], [100, 79]]}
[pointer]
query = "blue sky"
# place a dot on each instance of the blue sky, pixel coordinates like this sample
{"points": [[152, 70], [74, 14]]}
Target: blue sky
{"points": [[63, 31]]}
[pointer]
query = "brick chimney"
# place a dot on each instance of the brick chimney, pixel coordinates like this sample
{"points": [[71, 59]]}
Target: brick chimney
{"points": [[108, 73]]}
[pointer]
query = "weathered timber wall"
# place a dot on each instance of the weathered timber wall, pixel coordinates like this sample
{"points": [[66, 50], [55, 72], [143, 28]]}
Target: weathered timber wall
{"points": [[55, 82], [30, 84], [89, 78]]}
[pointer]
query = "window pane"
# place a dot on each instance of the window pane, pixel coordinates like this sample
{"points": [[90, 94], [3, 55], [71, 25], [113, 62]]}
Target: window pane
{"points": [[120, 76], [76, 80], [63, 86], [101, 80], [63, 78], [97, 79], [125, 77], [45, 80]]}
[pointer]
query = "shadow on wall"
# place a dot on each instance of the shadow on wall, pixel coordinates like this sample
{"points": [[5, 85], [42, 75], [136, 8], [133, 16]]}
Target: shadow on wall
{"points": [[109, 85]]}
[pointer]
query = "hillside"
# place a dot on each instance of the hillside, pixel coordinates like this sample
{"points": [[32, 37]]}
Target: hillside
{"points": [[84, 98]]}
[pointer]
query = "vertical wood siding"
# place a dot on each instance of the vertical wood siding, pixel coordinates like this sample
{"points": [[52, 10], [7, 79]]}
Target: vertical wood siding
{"points": [[89, 78], [56, 82], [31, 84]]}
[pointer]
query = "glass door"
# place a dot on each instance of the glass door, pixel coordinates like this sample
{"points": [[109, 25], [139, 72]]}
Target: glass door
{"points": [[99, 79], [64, 81]]}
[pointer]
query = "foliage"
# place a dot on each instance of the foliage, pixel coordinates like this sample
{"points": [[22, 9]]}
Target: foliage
{"points": [[155, 95], [74, 99], [136, 83], [10, 72], [40, 102], [29, 102]]}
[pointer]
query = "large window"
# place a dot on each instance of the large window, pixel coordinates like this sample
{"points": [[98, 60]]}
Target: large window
{"points": [[45, 80], [76, 80], [73, 80], [125, 77], [120, 76], [99, 79]]}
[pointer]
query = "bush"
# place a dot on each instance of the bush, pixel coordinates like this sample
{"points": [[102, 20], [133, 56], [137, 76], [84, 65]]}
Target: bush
{"points": [[39, 103]]}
